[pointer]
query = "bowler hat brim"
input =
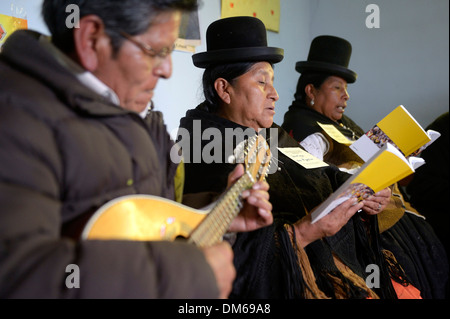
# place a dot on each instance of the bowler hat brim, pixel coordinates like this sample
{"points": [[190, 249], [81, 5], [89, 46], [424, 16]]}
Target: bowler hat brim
{"points": [[327, 68], [247, 54]]}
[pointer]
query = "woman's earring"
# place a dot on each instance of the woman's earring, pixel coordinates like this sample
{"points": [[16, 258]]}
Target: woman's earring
{"points": [[312, 102]]}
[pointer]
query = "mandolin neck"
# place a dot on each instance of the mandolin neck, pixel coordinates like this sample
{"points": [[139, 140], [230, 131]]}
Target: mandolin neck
{"points": [[215, 225]]}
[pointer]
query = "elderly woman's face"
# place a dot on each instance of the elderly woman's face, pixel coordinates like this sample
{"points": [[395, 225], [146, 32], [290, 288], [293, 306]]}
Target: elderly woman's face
{"points": [[252, 97], [331, 98]]}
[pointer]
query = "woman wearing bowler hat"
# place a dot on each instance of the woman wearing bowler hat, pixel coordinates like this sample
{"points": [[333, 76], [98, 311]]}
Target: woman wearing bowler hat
{"points": [[322, 97], [293, 258]]}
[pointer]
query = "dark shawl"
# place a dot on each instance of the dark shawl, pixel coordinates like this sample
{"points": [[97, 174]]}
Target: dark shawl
{"points": [[412, 240], [300, 121], [428, 191], [293, 190]]}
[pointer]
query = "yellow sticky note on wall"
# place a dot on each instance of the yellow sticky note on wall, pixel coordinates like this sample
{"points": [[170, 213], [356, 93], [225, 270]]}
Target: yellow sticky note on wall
{"points": [[268, 11]]}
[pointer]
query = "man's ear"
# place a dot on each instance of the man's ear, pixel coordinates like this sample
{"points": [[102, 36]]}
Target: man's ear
{"points": [[91, 42], [222, 86]]}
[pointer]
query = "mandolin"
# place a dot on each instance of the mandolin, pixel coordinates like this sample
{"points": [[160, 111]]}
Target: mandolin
{"points": [[147, 217]]}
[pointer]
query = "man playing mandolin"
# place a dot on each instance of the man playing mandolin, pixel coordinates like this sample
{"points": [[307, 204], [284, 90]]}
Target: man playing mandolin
{"points": [[71, 140]]}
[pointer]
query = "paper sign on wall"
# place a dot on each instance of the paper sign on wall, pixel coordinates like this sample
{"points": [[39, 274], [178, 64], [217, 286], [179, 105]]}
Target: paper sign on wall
{"points": [[189, 35]]}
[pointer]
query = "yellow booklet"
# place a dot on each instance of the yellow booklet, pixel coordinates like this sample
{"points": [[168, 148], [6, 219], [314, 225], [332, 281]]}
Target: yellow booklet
{"points": [[383, 169], [400, 129]]}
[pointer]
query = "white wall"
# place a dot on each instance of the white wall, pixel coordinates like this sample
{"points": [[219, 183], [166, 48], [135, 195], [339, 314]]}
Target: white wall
{"points": [[405, 61]]}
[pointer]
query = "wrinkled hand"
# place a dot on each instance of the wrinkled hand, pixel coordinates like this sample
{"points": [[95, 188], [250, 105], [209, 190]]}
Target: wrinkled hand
{"points": [[220, 258], [328, 225], [377, 202], [257, 209]]}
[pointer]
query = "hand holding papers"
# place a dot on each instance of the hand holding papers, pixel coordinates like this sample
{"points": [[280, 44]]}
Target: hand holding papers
{"points": [[385, 168]]}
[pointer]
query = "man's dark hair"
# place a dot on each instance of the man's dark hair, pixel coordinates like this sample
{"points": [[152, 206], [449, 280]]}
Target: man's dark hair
{"points": [[130, 16]]}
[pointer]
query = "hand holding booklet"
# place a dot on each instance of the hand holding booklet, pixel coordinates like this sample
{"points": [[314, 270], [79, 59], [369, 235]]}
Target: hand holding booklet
{"points": [[386, 167]]}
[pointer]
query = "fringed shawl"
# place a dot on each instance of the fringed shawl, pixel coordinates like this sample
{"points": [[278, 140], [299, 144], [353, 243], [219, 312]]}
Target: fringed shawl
{"points": [[269, 264]]}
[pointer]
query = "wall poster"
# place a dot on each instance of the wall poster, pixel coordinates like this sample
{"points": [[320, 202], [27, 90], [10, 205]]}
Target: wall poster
{"points": [[12, 20], [268, 11], [189, 36]]}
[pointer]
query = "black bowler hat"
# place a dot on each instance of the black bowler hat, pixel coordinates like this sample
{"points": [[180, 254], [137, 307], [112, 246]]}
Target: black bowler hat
{"points": [[237, 39], [330, 55]]}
